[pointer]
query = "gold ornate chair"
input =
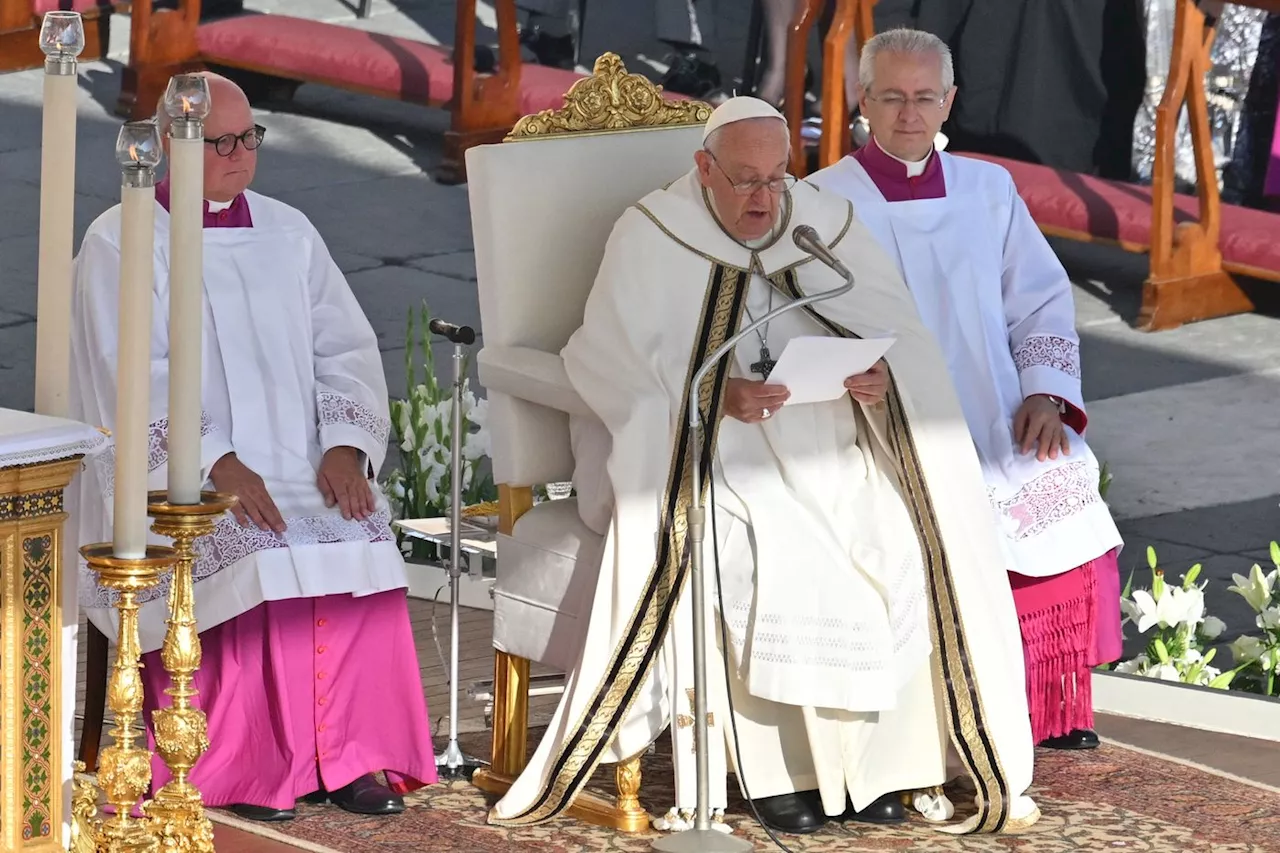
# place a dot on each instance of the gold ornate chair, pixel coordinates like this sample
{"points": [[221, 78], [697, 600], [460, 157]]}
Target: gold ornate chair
{"points": [[543, 203]]}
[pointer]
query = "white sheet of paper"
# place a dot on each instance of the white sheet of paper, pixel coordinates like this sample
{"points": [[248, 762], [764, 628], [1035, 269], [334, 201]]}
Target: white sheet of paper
{"points": [[814, 368]]}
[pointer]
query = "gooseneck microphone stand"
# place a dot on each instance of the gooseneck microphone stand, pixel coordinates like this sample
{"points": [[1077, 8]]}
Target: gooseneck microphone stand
{"points": [[702, 838], [452, 763]]}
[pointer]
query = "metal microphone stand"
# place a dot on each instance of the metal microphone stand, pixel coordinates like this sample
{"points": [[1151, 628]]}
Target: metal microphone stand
{"points": [[702, 838], [453, 763]]}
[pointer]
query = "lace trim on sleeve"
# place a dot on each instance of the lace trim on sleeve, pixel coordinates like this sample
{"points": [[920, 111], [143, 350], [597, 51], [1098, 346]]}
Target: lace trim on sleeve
{"points": [[1051, 497], [1048, 351], [158, 452], [335, 409]]}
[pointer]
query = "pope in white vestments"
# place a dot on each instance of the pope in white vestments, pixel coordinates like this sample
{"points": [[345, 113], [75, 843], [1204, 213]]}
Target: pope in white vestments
{"points": [[310, 677], [867, 637], [989, 286]]}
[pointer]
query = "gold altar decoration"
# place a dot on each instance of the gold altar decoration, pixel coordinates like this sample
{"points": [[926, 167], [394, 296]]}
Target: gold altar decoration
{"points": [[31, 517], [174, 820], [610, 100], [181, 731]]}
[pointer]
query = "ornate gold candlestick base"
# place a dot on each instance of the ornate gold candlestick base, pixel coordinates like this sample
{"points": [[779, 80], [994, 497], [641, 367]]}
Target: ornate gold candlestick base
{"points": [[124, 770], [181, 731]]}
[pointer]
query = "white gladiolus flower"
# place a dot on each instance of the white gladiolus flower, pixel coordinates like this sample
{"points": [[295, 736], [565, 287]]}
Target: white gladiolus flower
{"points": [[1212, 628]]}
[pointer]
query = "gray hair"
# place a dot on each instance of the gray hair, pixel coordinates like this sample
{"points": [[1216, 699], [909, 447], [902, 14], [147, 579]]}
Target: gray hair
{"points": [[905, 41]]}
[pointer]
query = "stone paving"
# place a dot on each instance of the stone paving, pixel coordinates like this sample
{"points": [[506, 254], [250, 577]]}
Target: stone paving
{"points": [[1187, 419]]}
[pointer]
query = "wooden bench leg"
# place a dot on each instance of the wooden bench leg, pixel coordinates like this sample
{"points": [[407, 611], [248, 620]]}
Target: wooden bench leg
{"points": [[806, 13], [142, 86], [95, 697]]}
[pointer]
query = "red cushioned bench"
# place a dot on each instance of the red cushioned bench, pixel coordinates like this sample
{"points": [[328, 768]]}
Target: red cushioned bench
{"points": [[1196, 244], [20, 29], [291, 51]]}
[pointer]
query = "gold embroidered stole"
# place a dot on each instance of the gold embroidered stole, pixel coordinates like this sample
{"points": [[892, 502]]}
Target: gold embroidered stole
{"points": [[577, 758]]}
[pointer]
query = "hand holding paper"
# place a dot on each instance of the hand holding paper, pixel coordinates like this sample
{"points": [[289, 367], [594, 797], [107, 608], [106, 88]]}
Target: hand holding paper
{"points": [[814, 368]]}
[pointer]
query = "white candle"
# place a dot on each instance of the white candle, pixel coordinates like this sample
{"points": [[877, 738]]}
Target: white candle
{"points": [[133, 348], [62, 40], [187, 102]]}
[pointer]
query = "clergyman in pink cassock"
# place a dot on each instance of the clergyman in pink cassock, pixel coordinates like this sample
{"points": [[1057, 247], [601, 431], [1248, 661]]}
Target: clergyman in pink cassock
{"points": [[989, 286], [310, 678]]}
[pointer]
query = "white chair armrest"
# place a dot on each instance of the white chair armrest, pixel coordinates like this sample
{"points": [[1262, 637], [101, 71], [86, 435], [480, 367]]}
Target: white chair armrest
{"points": [[532, 375]]}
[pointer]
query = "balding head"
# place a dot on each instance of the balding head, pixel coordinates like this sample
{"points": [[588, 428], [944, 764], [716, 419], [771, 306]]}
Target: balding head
{"points": [[225, 177], [749, 154]]}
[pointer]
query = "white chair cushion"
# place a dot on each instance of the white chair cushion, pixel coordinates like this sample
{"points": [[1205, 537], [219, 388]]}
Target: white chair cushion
{"points": [[547, 570]]}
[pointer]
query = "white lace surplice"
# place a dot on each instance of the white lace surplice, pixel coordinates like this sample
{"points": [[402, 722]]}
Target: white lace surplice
{"points": [[291, 369]]}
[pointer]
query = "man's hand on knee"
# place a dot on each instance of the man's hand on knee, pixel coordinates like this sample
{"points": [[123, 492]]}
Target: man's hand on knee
{"points": [[255, 506], [342, 482]]}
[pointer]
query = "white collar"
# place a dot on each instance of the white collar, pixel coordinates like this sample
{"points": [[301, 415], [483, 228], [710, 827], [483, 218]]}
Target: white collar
{"points": [[915, 168], [218, 206]]}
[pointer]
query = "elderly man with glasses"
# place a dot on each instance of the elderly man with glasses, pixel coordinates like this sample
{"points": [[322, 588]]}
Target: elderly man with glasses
{"points": [[865, 636], [989, 286], [310, 678]]}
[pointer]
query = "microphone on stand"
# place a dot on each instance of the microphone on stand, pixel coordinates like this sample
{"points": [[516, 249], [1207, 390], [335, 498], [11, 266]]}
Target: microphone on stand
{"points": [[464, 335], [453, 762], [702, 838]]}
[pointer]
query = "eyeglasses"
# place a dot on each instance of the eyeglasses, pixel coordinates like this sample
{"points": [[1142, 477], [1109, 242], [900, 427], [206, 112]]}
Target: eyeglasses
{"points": [[773, 185], [898, 103], [225, 145]]}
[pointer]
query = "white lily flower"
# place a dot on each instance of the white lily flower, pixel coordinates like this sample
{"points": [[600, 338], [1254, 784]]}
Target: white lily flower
{"points": [[1269, 619], [1255, 589], [1165, 672], [1247, 649], [1212, 628], [1133, 667]]}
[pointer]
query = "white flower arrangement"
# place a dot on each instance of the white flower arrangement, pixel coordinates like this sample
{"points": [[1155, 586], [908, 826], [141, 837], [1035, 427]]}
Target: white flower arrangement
{"points": [[422, 430], [1179, 627], [1259, 656]]}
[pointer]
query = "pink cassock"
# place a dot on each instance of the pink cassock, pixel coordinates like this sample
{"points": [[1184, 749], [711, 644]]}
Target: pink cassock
{"points": [[303, 693], [1070, 622]]}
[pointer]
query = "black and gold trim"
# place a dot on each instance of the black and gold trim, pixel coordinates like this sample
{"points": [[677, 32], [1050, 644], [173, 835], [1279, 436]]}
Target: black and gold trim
{"points": [[970, 732], [636, 651]]}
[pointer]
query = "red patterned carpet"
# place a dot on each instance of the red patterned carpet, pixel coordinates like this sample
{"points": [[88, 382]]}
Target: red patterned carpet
{"points": [[1111, 799]]}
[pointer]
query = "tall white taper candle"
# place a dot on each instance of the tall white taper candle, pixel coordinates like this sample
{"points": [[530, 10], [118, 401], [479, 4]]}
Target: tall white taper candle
{"points": [[62, 40], [187, 102], [133, 348]]}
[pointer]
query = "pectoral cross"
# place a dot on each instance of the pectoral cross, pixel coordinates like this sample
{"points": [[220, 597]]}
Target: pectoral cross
{"points": [[766, 363], [686, 721]]}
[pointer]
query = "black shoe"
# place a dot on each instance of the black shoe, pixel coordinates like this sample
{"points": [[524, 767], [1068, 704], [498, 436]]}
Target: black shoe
{"points": [[552, 51], [317, 798], [885, 809], [366, 796], [797, 814], [691, 75], [1077, 739], [262, 813]]}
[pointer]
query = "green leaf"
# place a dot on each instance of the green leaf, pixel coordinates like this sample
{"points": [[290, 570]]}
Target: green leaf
{"points": [[1162, 651], [1275, 554], [1151, 557]]}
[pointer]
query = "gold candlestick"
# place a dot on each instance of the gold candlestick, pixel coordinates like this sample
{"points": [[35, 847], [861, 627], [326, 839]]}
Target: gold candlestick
{"points": [[124, 770], [181, 731]]}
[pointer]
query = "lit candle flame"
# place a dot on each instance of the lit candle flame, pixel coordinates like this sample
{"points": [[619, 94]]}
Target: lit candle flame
{"points": [[186, 104], [133, 153], [58, 46]]}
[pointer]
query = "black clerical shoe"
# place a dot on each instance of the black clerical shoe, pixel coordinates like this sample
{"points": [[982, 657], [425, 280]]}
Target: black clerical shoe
{"points": [[1077, 739], [262, 813], [885, 809], [366, 796], [797, 814]]}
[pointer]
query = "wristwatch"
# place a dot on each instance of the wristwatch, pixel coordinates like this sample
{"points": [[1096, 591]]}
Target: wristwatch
{"points": [[1059, 402]]}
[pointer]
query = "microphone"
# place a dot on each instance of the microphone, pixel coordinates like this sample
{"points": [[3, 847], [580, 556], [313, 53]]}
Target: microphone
{"points": [[457, 334], [808, 240]]}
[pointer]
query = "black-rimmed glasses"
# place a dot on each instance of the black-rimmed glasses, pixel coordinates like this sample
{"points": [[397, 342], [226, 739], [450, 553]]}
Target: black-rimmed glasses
{"points": [[225, 145]]}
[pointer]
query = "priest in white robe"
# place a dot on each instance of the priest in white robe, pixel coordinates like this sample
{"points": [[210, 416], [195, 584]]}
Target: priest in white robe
{"points": [[310, 678], [989, 286], [867, 635]]}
